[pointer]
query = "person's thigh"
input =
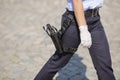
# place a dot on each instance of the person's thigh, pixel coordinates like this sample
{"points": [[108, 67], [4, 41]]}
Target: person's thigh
{"points": [[71, 37]]}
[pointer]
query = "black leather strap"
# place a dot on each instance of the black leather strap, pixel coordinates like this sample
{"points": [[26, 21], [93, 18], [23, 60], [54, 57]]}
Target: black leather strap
{"points": [[69, 49]]}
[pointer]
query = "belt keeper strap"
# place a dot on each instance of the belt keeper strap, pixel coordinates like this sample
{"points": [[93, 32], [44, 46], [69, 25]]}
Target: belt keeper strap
{"points": [[71, 50]]}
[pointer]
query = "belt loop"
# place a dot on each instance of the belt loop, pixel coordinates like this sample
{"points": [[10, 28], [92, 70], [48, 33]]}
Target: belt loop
{"points": [[96, 12], [93, 13]]}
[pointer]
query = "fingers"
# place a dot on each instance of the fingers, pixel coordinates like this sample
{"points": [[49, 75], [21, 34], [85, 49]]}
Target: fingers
{"points": [[86, 44]]}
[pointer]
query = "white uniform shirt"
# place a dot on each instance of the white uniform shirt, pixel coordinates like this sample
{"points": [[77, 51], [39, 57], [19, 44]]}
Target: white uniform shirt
{"points": [[87, 4]]}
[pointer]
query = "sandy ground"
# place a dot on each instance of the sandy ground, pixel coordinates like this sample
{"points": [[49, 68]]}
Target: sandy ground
{"points": [[25, 47]]}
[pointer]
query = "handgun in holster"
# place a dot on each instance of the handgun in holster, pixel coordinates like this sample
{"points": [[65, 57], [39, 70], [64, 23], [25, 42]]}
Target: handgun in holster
{"points": [[56, 35]]}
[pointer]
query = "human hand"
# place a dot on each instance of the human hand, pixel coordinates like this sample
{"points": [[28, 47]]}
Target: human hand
{"points": [[85, 36]]}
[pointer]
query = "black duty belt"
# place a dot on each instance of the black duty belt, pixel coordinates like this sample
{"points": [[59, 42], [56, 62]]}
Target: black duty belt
{"points": [[92, 12], [88, 13]]}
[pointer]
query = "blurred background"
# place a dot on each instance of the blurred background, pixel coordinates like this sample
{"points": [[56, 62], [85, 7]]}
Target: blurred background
{"points": [[25, 47]]}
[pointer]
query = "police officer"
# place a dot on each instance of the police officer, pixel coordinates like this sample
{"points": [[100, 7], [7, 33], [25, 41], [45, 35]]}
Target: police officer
{"points": [[85, 29]]}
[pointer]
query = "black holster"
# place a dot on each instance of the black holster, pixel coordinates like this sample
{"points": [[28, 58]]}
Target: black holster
{"points": [[56, 36]]}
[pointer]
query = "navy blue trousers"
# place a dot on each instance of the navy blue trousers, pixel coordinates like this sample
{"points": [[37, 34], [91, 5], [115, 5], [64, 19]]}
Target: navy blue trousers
{"points": [[99, 51]]}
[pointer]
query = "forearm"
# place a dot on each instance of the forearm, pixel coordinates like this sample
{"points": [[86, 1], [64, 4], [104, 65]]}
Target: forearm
{"points": [[85, 36], [79, 12]]}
